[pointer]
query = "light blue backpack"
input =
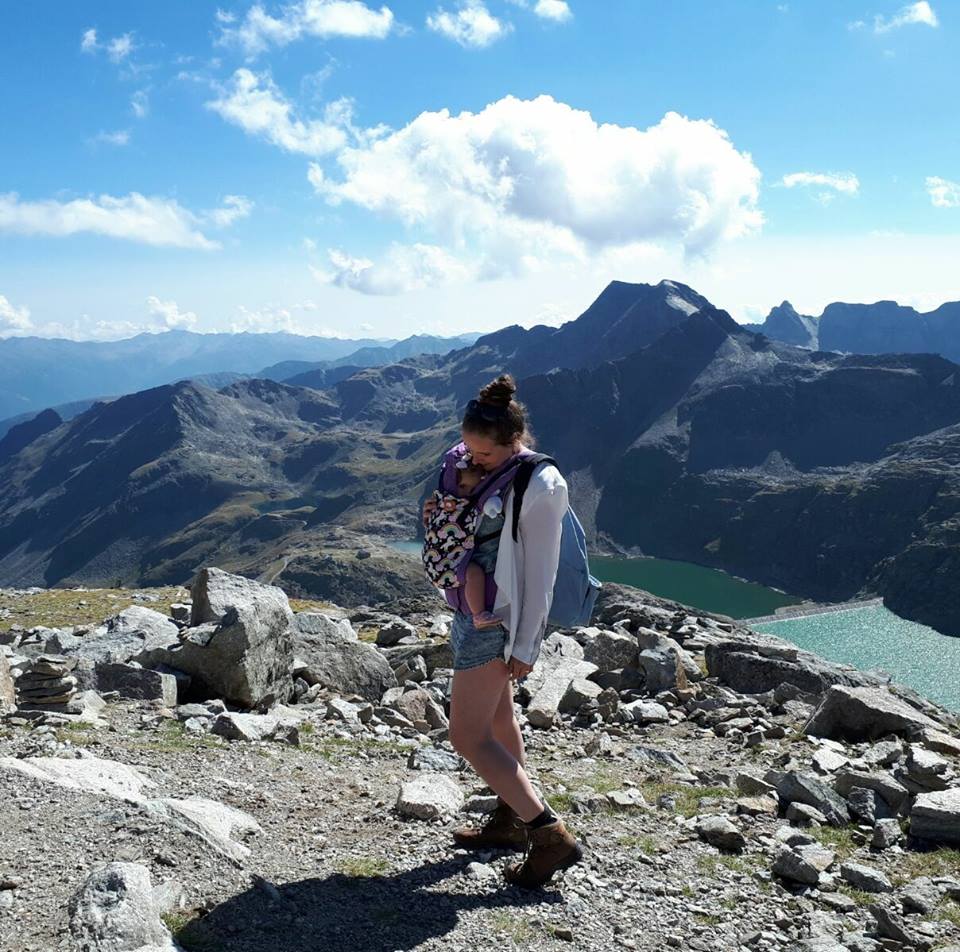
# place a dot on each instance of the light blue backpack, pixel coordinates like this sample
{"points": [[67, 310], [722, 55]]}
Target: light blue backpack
{"points": [[575, 590]]}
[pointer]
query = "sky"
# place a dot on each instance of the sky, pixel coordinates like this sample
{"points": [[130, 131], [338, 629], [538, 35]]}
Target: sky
{"points": [[353, 169]]}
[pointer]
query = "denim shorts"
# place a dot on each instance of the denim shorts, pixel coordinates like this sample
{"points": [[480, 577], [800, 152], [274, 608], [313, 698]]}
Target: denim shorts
{"points": [[473, 647]]}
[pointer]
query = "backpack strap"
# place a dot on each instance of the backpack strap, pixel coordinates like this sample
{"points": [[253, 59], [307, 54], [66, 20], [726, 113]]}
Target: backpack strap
{"points": [[522, 479]]}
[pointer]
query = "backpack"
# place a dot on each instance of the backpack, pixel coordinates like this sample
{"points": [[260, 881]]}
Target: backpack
{"points": [[575, 590], [449, 539]]}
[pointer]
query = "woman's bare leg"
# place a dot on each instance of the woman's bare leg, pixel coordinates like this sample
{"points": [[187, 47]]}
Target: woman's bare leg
{"points": [[505, 726], [477, 694]]}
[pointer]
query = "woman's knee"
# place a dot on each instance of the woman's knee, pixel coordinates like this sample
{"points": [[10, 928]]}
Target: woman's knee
{"points": [[466, 738]]}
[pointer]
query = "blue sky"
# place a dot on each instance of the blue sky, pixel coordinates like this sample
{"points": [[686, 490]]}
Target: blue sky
{"points": [[337, 167]]}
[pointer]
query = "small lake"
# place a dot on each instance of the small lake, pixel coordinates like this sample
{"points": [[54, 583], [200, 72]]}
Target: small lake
{"points": [[870, 637]]}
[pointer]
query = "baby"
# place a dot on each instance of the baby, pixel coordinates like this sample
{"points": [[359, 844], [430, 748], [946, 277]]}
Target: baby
{"points": [[474, 586]]}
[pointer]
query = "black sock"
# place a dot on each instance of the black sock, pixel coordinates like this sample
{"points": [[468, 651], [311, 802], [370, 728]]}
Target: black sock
{"points": [[542, 819]]}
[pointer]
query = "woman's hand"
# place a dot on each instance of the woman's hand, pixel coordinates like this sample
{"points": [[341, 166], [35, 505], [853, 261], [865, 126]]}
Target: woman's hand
{"points": [[518, 669], [428, 508]]}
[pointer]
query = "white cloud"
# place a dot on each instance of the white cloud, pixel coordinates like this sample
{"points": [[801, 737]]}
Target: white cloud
{"points": [[120, 47], [275, 317], [234, 208], [254, 103], [140, 104], [13, 320], [134, 217], [471, 26], [120, 137], [845, 183], [943, 193], [557, 10], [319, 18], [168, 314], [526, 182], [117, 49], [403, 268], [920, 12]]}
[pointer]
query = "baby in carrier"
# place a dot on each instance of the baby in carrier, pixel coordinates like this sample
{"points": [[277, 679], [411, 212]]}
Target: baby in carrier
{"points": [[484, 557]]}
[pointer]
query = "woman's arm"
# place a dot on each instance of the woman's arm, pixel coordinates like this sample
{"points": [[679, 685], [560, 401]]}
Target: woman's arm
{"points": [[541, 526]]}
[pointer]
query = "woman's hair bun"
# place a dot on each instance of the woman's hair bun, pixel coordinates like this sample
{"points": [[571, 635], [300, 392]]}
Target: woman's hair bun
{"points": [[499, 392]]}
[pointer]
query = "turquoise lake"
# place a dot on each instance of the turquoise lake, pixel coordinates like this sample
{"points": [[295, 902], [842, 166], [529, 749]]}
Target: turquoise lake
{"points": [[870, 637]]}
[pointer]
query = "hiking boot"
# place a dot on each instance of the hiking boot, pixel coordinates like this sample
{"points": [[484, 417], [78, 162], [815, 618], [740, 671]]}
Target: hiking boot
{"points": [[550, 847], [503, 830]]}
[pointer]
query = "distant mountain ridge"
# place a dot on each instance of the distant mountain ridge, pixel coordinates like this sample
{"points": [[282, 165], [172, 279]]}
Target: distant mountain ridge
{"points": [[884, 327], [38, 373], [827, 475]]}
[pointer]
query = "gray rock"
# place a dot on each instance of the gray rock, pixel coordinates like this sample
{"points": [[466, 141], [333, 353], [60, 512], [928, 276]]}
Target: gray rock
{"points": [[805, 788], [803, 864], [419, 705], [397, 632], [865, 878], [239, 643], [803, 813], [137, 683], [865, 713], [608, 650], [885, 834], [115, 910], [436, 759], [721, 832], [643, 711], [655, 758], [126, 636], [580, 692], [555, 678], [429, 796], [255, 727], [936, 816], [891, 792], [890, 925], [327, 655], [666, 666], [8, 698], [753, 665]]}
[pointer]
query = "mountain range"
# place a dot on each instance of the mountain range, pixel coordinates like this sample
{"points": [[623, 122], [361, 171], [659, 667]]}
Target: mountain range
{"points": [[884, 327], [37, 373], [681, 433]]}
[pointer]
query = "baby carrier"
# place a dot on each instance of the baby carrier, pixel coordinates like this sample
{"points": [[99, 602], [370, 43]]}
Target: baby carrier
{"points": [[450, 538]]}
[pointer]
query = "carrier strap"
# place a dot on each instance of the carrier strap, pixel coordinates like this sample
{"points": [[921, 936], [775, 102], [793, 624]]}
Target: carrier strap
{"points": [[522, 480]]}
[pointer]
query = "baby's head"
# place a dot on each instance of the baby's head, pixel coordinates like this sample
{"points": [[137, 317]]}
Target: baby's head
{"points": [[469, 478]]}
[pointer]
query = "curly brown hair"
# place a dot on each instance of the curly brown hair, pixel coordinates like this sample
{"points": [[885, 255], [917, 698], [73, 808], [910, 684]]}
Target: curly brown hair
{"points": [[496, 415]]}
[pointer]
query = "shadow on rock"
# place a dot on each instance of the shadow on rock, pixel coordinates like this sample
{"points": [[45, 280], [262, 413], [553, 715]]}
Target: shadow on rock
{"points": [[342, 912]]}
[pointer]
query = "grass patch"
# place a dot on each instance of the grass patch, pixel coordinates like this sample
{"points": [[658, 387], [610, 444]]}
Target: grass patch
{"points": [[709, 863], [943, 861], [708, 918], [949, 911], [860, 896], [644, 842], [335, 749], [687, 797], [173, 737], [61, 607], [837, 838], [362, 866], [517, 929]]}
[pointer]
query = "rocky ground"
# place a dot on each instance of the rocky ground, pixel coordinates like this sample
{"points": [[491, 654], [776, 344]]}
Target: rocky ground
{"points": [[235, 775]]}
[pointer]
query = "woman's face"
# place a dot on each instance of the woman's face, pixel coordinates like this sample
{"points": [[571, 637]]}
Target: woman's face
{"points": [[485, 452]]}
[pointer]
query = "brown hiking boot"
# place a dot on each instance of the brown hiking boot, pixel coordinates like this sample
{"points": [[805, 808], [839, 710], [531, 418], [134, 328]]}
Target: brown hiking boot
{"points": [[503, 830], [550, 847]]}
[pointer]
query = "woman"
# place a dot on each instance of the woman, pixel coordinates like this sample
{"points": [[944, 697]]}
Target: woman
{"points": [[486, 662]]}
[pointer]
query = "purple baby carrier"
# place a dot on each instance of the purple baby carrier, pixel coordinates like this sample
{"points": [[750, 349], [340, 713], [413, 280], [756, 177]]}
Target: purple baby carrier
{"points": [[449, 537]]}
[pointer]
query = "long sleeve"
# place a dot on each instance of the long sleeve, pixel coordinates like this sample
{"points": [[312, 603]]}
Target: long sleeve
{"points": [[541, 526]]}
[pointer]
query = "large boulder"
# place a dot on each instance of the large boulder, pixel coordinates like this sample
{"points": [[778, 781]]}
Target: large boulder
{"points": [[754, 665], [239, 643], [8, 696], [126, 636], [329, 654], [936, 816], [865, 713], [116, 910]]}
